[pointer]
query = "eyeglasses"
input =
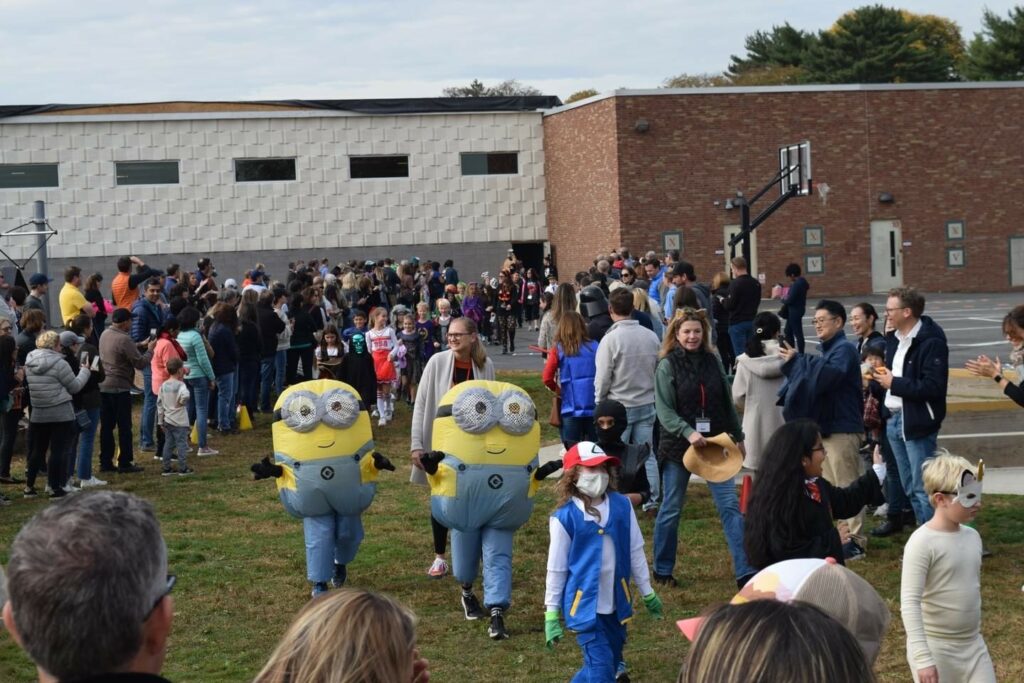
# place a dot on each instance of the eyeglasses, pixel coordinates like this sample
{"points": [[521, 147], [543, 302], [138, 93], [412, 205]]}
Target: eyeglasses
{"points": [[171, 580], [455, 336], [893, 310], [823, 321], [820, 448]]}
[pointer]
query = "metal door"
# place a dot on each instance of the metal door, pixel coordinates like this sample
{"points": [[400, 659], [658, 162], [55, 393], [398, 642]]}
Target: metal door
{"points": [[1016, 261], [886, 255], [732, 230]]}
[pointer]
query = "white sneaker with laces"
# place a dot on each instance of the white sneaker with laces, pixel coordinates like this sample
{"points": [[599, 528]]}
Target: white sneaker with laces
{"points": [[204, 452], [90, 482], [882, 510]]}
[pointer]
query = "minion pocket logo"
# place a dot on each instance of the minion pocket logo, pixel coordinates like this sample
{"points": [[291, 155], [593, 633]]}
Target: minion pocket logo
{"points": [[495, 481], [327, 473]]}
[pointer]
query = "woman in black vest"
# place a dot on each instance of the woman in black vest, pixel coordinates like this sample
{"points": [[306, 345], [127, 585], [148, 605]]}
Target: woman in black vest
{"points": [[693, 402]]}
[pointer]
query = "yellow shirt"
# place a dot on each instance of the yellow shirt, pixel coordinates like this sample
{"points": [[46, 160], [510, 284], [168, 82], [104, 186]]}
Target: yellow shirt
{"points": [[72, 301]]}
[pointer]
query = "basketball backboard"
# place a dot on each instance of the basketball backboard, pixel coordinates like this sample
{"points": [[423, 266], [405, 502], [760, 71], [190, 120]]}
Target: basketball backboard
{"points": [[795, 168]]}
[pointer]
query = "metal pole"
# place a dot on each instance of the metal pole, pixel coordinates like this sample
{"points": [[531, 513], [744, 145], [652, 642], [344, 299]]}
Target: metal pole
{"points": [[745, 227], [39, 219]]}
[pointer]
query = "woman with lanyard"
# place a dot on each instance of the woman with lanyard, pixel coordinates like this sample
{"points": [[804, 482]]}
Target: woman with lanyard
{"points": [[694, 403], [464, 360]]}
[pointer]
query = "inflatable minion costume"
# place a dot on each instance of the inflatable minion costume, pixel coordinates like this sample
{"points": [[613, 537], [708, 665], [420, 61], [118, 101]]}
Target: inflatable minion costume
{"points": [[483, 474], [326, 472]]}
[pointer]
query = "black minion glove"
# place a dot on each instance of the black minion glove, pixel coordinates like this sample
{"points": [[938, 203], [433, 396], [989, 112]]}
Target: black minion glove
{"points": [[545, 471], [382, 463], [264, 469], [431, 460]]}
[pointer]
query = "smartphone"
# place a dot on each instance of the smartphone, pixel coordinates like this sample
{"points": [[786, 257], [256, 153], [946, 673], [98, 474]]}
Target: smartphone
{"points": [[83, 357], [152, 333], [95, 364]]}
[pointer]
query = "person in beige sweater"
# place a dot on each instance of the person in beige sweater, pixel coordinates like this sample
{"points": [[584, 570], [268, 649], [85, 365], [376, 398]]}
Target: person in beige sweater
{"points": [[940, 594], [755, 388]]}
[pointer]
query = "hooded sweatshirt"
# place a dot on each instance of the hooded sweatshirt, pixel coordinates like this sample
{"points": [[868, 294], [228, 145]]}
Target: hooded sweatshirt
{"points": [[755, 388]]}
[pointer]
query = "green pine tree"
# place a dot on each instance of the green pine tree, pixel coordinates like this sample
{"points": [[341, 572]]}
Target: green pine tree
{"points": [[997, 53]]}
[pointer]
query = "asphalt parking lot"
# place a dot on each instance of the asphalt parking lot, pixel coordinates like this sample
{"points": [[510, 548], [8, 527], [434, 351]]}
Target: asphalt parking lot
{"points": [[972, 322]]}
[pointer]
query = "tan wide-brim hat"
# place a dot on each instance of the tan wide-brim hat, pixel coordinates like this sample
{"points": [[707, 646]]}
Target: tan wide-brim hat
{"points": [[716, 462]]}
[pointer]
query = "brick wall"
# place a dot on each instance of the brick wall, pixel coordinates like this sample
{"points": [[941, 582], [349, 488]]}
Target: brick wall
{"points": [[582, 179], [944, 154]]}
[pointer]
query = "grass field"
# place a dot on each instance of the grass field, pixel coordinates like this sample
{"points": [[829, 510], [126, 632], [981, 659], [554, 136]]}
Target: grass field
{"points": [[241, 574]]}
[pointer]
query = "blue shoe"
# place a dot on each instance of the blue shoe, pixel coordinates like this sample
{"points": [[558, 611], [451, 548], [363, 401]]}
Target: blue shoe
{"points": [[318, 589], [340, 574]]}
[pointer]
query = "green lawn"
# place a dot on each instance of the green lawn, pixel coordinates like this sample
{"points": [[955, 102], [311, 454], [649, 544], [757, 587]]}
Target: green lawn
{"points": [[241, 574]]}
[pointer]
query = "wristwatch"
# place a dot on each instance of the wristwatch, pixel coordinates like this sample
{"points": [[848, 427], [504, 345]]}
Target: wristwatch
{"points": [[998, 378]]}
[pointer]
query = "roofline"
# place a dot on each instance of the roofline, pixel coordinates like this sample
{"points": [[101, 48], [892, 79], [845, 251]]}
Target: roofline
{"points": [[222, 115], [772, 89]]}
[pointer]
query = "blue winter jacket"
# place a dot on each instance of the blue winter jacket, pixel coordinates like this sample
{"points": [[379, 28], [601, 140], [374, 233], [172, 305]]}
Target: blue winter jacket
{"points": [[826, 389], [925, 379], [576, 376], [653, 292], [146, 316]]}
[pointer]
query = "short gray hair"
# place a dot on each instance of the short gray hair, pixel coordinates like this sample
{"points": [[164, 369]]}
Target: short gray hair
{"points": [[84, 575]]}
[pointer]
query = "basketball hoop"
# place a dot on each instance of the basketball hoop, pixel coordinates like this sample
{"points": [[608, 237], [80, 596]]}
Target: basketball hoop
{"points": [[823, 190]]}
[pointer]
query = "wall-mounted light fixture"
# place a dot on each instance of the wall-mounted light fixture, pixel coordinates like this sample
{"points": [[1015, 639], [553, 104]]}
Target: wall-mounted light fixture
{"points": [[886, 198], [642, 126]]}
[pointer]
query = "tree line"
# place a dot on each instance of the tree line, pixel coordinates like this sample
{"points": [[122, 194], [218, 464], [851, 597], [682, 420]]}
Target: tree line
{"points": [[870, 44]]}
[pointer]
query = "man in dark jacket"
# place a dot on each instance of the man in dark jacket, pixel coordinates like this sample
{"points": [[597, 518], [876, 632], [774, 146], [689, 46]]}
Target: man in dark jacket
{"points": [[795, 304], [271, 325], [148, 317], [830, 388], [121, 357], [594, 307], [742, 302], [915, 376]]}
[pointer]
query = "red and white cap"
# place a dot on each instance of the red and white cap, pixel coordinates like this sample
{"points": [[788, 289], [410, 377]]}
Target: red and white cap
{"points": [[588, 454]]}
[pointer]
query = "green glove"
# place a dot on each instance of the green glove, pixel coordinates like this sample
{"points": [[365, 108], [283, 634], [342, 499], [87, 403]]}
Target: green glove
{"points": [[552, 628], [653, 603]]}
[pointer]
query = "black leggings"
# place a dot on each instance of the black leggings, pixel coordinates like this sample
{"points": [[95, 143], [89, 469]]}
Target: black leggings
{"points": [[59, 438], [440, 535], [7, 437], [507, 331], [306, 355]]}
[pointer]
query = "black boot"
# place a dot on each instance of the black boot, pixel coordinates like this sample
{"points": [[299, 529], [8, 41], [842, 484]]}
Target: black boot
{"points": [[893, 524]]}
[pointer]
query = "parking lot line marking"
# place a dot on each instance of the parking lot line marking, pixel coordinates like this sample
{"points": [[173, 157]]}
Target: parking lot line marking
{"points": [[979, 436]]}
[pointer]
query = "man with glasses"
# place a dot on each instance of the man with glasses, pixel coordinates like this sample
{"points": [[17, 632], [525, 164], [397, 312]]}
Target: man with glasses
{"points": [[97, 609], [915, 378], [827, 389]]}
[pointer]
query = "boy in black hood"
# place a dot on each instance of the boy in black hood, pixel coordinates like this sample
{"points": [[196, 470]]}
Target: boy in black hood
{"points": [[610, 423]]}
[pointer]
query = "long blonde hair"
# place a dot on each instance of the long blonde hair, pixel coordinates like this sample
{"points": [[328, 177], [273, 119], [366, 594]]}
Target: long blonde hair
{"points": [[571, 332], [346, 636], [640, 300], [682, 315]]}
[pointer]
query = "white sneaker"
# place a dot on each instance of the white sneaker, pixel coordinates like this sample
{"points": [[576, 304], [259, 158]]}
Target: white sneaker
{"points": [[882, 510], [48, 490], [374, 413], [382, 421], [90, 482], [203, 452]]}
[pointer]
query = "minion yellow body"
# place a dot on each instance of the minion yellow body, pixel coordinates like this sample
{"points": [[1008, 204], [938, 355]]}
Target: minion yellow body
{"points": [[324, 445], [484, 486]]}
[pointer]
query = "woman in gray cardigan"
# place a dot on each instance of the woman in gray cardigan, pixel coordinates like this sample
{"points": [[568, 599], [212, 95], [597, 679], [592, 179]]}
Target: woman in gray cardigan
{"points": [[52, 420], [464, 360]]}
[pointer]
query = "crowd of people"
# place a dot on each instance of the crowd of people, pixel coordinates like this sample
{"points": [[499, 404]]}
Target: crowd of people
{"points": [[647, 365]]}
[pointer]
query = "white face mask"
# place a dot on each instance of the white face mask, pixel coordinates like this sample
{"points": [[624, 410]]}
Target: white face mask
{"points": [[592, 483]]}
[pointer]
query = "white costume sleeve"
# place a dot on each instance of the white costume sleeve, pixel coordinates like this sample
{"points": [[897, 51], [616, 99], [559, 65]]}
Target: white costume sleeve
{"points": [[637, 558], [558, 564]]}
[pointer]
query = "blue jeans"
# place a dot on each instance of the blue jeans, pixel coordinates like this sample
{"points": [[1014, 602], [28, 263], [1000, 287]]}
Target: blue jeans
{"points": [[199, 406], [268, 368], [280, 365], [576, 429], [910, 455], [895, 496], [86, 441], [640, 429], [739, 333], [666, 528], [226, 401], [146, 439]]}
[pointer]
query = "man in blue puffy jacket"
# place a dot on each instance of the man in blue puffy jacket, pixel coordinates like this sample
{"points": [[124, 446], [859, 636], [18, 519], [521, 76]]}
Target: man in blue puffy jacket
{"points": [[148, 315]]}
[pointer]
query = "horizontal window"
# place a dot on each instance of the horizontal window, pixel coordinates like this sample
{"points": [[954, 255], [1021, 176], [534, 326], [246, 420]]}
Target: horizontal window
{"points": [[147, 172], [13, 176], [260, 170], [490, 163], [379, 167]]}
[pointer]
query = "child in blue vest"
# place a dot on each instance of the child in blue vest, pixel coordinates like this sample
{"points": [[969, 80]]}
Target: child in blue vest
{"points": [[596, 550]]}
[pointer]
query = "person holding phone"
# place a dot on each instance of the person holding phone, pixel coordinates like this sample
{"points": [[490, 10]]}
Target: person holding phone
{"points": [[148, 315]]}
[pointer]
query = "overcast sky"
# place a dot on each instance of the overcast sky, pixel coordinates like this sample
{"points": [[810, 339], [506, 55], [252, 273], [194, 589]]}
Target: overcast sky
{"points": [[82, 51]]}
